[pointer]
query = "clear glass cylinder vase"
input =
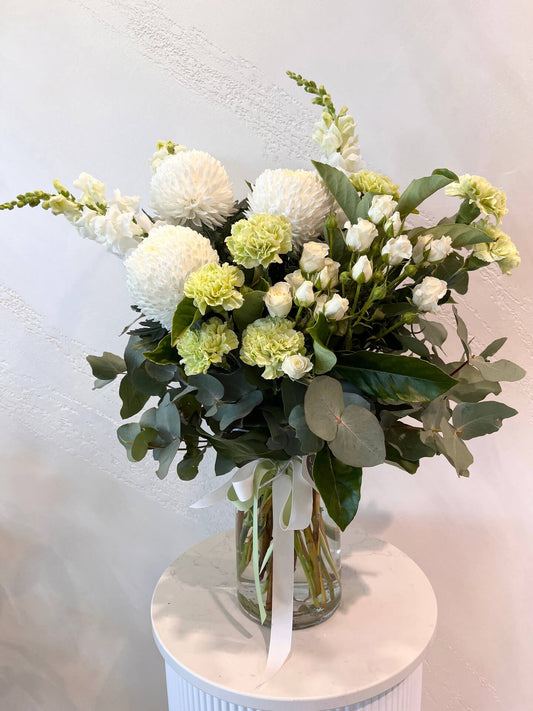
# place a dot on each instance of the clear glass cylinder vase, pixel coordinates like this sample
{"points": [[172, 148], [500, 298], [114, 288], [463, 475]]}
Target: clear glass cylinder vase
{"points": [[317, 584]]}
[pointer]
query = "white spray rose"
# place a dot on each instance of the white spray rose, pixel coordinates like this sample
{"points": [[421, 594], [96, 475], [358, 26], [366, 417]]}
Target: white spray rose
{"points": [[440, 248], [335, 308], [381, 208], [278, 299], [304, 294], [394, 224], [329, 274], [361, 235], [421, 249], [397, 249], [296, 366], [313, 257], [362, 270], [295, 280], [320, 303], [427, 294]]}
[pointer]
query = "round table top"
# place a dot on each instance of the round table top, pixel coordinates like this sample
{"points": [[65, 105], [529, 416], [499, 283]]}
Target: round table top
{"points": [[376, 638]]}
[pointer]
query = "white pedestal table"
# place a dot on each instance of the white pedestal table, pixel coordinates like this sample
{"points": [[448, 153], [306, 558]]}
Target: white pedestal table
{"points": [[368, 655]]}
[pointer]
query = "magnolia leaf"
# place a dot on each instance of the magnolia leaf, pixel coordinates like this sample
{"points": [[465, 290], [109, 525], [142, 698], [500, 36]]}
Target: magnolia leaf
{"points": [[478, 419], [341, 188], [360, 441], [185, 315], [133, 401], [323, 405], [309, 442], [393, 378], [421, 188], [243, 449], [499, 370], [364, 205], [492, 348], [140, 443], [164, 353], [107, 366], [339, 485], [165, 457], [251, 309]]}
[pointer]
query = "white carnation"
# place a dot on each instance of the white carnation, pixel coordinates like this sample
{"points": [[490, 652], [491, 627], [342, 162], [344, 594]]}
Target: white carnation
{"points": [[298, 195], [158, 268], [192, 186]]}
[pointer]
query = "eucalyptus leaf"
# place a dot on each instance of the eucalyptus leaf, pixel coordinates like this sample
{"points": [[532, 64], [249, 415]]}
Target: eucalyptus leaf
{"points": [[499, 370], [492, 348], [161, 373], [107, 366], [360, 441], [323, 405], [133, 401], [167, 417], [408, 443], [188, 467], [395, 458], [223, 465], [210, 391], [433, 332], [165, 457], [126, 436], [462, 332], [339, 485], [393, 378], [244, 448], [140, 443], [133, 356], [309, 442], [341, 188], [478, 419], [454, 449], [421, 188], [227, 413]]}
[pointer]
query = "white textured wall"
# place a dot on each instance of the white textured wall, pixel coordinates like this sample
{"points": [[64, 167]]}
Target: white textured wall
{"points": [[92, 85]]}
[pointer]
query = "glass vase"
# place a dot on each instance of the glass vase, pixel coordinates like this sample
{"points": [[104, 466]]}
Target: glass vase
{"points": [[317, 584]]}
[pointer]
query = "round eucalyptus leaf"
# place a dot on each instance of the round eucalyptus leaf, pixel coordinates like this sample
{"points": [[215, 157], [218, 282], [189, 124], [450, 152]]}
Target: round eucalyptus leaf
{"points": [[323, 405], [360, 441]]}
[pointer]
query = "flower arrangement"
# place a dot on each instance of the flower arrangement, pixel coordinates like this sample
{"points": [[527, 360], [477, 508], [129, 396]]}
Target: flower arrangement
{"points": [[297, 322]]}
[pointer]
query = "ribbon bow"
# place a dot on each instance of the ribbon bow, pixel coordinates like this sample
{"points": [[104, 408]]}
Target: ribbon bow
{"points": [[292, 504]]}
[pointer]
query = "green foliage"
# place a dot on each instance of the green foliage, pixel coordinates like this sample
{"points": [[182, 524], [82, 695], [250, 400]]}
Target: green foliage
{"points": [[107, 366], [133, 401], [325, 359], [421, 188], [339, 485], [251, 309], [185, 315], [478, 419], [340, 187], [164, 353]]}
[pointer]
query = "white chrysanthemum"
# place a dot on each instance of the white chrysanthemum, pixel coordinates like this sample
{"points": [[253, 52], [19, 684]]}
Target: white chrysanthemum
{"points": [[192, 186], [298, 195], [158, 268]]}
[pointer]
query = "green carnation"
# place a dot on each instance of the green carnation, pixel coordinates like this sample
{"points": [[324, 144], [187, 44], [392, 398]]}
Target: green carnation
{"points": [[501, 250], [260, 240], [201, 347], [214, 285], [366, 181], [268, 341], [489, 200]]}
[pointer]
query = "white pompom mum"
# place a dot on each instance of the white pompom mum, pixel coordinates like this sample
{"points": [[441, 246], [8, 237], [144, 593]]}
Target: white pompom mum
{"points": [[192, 186], [158, 268], [298, 195]]}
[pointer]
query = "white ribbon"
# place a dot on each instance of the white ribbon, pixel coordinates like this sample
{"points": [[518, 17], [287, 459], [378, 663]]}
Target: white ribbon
{"points": [[292, 505]]}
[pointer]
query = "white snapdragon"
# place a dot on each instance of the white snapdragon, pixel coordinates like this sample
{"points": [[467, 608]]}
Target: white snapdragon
{"points": [[93, 190], [335, 308], [421, 248], [439, 249], [294, 280], [328, 137], [329, 274], [278, 299], [296, 366], [396, 250], [313, 257], [426, 295], [115, 229], [360, 236], [362, 270], [304, 294], [382, 208], [394, 224]]}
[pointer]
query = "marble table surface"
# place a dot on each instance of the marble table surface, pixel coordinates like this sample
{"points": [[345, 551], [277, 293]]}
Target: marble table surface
{"points": [[376, 639]]}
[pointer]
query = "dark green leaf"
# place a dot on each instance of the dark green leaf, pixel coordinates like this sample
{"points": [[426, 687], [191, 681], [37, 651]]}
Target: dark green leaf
{"points": [[459, 282], [393, 378], [185, 315], [251, 309], [462, 235], [408, 443], [341, 189], [421, 188], [243, 449], [292, 394], [141, 442], [210, 392], [467, 212], [394, 457], [324, 358], [161, 373], [223, 465], [132, 400], [339, 485], [364, 206], [164, 353], [188, 467], [107, 366]]}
